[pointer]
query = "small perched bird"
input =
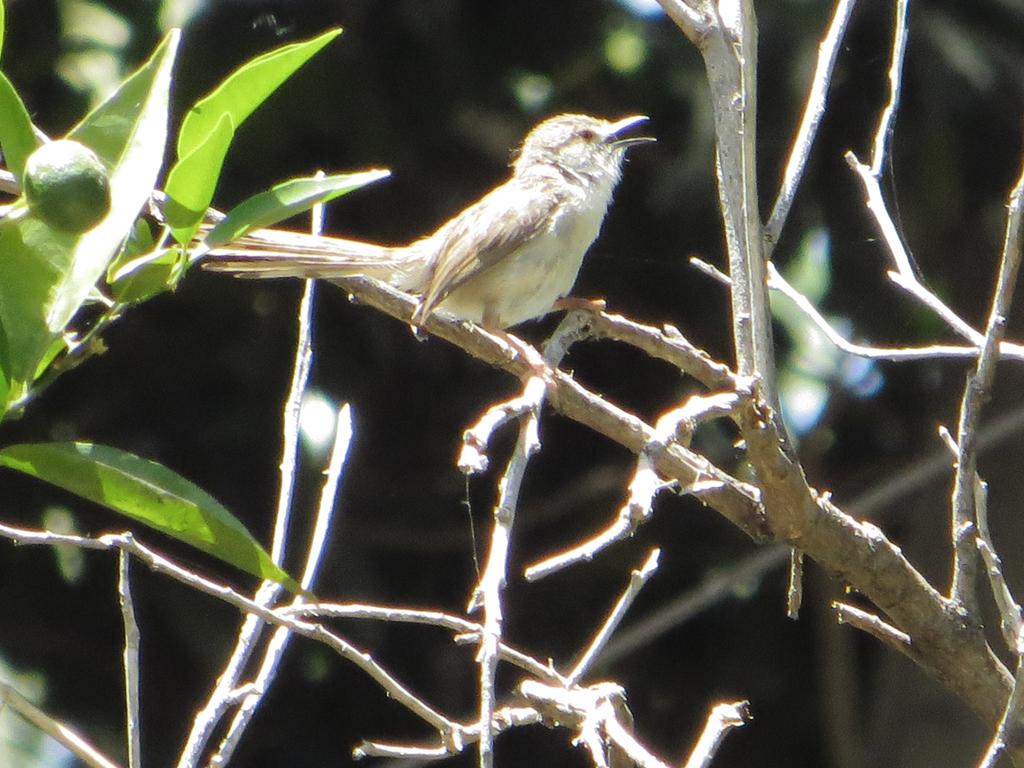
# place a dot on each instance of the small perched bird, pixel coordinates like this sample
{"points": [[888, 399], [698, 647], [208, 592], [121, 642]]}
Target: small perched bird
{"points": [[507, 258]]}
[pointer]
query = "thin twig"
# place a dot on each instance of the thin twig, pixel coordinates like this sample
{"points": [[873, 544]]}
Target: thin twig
{"points": [[977, 391], [873, 625], [723, 718], [910, 283], [619, 737], [1010, 619], [488, 592], [875, 202], [626, 521], [1007, 733], [596, 712], [274, 651], [828, 50], [619, 529], [464, 629], [367, 749], [896, 354], [888, 116], [270, 592], [9, 183], [776, 281], [666, 344], [504, 718], [638, 578], [795, 584], [343, 434], [904, 276], [80, 349], [718, 585], [131, 660], [675, 426], [473, 456], [63, 734]]}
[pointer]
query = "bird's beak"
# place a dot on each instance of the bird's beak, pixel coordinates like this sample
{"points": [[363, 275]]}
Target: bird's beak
{"points": [[613, 135]]}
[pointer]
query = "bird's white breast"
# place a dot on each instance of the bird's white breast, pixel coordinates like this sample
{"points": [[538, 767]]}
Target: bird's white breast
{"points": [[527, 284]]}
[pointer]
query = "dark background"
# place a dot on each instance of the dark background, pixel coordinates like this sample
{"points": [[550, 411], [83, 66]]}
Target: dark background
{"points": [[195, 379]]}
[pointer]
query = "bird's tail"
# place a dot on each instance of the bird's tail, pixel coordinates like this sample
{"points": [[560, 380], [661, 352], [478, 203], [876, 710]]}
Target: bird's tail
{"points": [[277, 253]]}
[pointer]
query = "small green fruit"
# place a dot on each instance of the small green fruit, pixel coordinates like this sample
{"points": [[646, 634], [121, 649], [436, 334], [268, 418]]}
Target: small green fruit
{"points": [[66, 186]]}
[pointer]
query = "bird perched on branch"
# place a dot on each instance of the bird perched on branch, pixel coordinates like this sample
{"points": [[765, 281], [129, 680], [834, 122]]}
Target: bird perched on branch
{"points": [[507, 258]]}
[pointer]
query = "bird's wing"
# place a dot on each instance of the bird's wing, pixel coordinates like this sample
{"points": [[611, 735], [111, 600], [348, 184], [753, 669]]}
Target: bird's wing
{"points": [[485, 233]]}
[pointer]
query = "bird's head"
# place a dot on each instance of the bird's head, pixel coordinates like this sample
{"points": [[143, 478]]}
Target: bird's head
{"points": [[580, 145]]}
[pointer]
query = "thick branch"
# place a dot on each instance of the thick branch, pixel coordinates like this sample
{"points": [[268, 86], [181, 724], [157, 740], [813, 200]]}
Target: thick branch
{"points": [[945, 643]]}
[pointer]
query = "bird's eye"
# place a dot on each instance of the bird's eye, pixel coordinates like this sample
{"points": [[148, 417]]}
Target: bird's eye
{"points": [[587, 134]]}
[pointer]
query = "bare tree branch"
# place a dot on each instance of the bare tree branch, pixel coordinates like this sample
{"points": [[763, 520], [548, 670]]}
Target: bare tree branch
{"points": [[873, 625], [466, 630], [639, 577], [488, 593], [1007, 738], [694, 22], [596, 712], [859, 553], [963, 588], [131, 661], [1007, 350], [814, 110], [64, 735], [274, 651], [722, 719], [888, 117], [674, 426]]}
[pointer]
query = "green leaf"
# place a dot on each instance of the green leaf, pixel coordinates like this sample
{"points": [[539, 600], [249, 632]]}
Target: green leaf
{"points": [[2, 26], [146, 276], [135, 111], [46, 275], [33, 260], [193, 180], [284, 200], [57, 346], [245, 89], [139, 241], [144, 269], [149, 493], [17, 137], [5, 368]]}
